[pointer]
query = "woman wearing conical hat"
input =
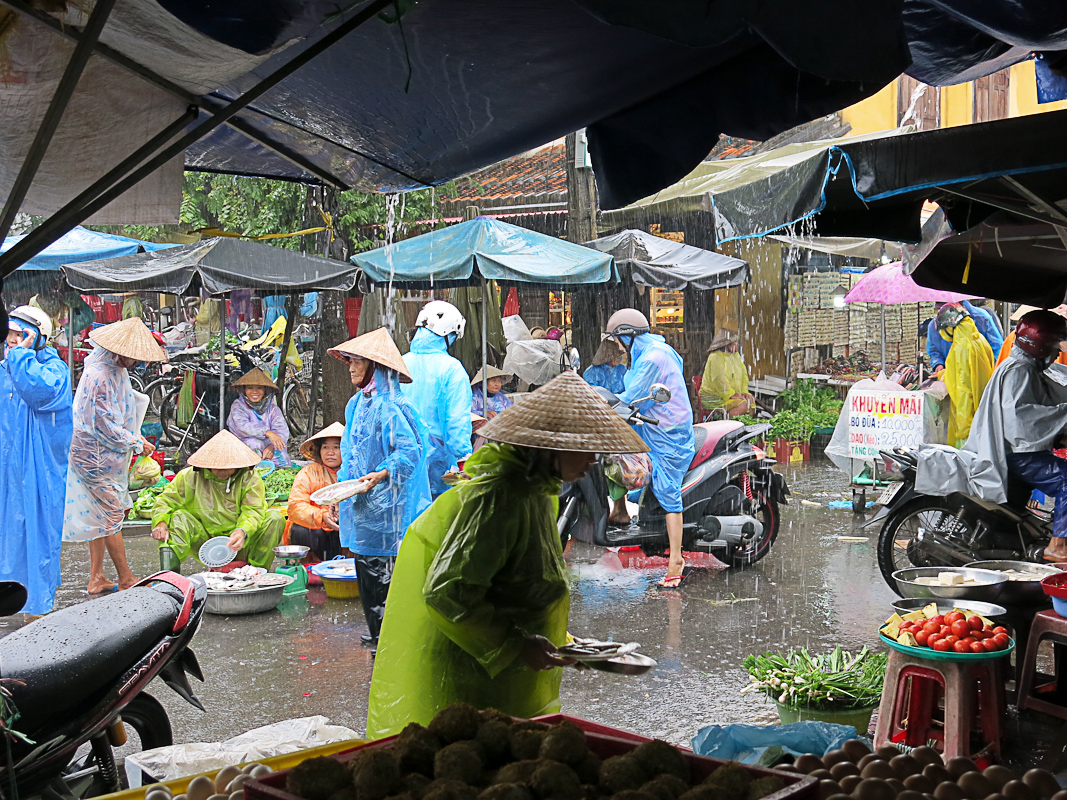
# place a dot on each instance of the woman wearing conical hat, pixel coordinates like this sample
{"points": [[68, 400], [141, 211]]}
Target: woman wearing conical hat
{"points": [[479, 601], [490, 400], [385, 444], [106, 434], [310, 524], [218, 494], [256, 419]]}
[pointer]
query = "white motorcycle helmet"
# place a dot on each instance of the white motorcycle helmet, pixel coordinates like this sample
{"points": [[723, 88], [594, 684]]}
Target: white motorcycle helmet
{"points": [[441, 318], [33, 316]]}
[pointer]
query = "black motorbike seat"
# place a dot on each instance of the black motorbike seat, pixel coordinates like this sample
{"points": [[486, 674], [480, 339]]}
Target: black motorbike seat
{"points": [[72, 656]]}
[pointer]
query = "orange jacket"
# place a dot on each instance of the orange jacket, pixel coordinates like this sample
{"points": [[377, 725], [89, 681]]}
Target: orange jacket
{"points": [[1009, 342], [301, 510]]}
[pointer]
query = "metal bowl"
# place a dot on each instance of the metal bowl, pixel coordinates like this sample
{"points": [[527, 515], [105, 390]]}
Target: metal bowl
{"points": [[285, 551], [988, 610], [988, 591], [631, 664], [1020, 593], [247, 601]]}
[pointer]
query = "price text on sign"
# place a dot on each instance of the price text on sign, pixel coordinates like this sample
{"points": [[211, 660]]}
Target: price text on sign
{"points": [[883, 420]]}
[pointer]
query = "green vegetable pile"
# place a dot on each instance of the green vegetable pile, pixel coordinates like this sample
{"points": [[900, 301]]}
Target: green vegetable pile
{"points": [[280, 482], [831, 681], [801, 410], [146, 499]]}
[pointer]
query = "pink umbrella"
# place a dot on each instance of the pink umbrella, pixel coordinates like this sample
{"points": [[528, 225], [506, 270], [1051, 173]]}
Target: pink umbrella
{"points": [[888, 285]]}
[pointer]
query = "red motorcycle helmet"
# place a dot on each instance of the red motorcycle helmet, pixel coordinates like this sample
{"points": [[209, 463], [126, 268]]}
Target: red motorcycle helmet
{"points": [[1039, 333]]}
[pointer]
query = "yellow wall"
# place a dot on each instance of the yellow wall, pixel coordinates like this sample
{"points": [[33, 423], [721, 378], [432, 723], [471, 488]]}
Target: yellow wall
{"points": [[957, 105], [1022, 92], [877, 113], [762, 336]]}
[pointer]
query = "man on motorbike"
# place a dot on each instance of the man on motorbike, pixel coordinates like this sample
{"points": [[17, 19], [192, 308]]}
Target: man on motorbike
{"points": [[440, 389], [671, 442], [1018, 423]]}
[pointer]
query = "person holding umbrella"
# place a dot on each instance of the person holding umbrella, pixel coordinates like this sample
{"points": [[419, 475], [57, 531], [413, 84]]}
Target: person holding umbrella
{"points": [[107, 417]]}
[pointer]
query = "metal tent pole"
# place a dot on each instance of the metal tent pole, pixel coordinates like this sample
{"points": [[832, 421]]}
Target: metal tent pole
{"points": [[70, 346], [485, 344], [222, 366], [883, 338]]}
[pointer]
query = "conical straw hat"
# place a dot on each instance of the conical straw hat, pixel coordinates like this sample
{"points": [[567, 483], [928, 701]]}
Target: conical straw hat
{"points": [[224, 451], [256, 377], [334, 431], [130, 338], [377, 346], [722, 339], [490, 372], [564, 414]]}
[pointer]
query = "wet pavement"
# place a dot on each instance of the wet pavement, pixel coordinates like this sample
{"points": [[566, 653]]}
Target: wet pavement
{"points": [[812, 590]]}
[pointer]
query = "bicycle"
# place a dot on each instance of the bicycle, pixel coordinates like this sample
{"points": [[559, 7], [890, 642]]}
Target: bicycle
{"points": [[296, 399]]}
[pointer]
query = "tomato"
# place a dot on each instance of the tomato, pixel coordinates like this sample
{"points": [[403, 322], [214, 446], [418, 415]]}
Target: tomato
{"points": [[922, 637], [960, 628], [990, 645], [989, 626], [980, 635], [975, 623], [931, 627], [952, 639], [978, 647], [953, 616], [1000, 629], [1002, 641], [968, 640], [933, 637], [938, 619], [941, 645], [961, 647]]}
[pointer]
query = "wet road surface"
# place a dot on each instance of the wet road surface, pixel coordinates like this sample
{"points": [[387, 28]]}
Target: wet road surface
{"points": [[812, 590]]}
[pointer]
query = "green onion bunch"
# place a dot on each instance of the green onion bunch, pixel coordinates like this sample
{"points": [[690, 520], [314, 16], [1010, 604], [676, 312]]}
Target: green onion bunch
{"points": [[831, 681]]}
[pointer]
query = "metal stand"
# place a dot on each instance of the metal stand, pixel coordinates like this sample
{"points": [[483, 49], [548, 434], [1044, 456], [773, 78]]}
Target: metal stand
{"points": [[222, 367]]}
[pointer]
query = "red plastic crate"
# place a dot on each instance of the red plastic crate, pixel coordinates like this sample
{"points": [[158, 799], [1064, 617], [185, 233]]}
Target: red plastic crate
{"points": [[603, 740]]}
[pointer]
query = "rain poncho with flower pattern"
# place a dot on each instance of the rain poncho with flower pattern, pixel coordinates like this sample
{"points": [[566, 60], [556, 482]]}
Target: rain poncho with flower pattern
{"points": [[441, 391], [479, 571], [671, 442], [383, 431], [35, 427], [967, 370], [105, 437]]}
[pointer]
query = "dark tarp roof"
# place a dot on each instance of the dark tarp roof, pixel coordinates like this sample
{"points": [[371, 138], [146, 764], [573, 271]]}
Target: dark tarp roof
{"points": [[651, 260], [455, 85], [218, 265], [486, 248]]}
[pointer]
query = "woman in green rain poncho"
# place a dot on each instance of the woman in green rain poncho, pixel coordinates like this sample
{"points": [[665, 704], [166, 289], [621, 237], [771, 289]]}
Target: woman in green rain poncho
{"points": [[479, 599]]}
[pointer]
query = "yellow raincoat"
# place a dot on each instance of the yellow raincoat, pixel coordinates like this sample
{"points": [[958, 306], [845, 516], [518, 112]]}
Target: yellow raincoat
{"points": [[967, 370], [478, 571], [725, 375]]}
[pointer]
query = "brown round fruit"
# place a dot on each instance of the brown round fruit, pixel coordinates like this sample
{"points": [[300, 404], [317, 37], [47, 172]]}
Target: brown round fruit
{"points": [[1060, 795], [948, 791], [960, 766], [840, 797], [867, 759], [844, 768], [937, 774], [886, 752], [828, 789], [919, 783], [896, 785], [904, 766], [998, 776], [909, 794], [849, 783], [1042, 782], [855, 749], [976, 785], [834, 757], [873, 789], [878, 769], [821, 775], [788, 768], [997, 796], [808, 763], [927, 755], [1017, 790]]}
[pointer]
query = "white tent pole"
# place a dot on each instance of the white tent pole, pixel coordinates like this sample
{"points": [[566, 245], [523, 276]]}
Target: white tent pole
{"points": [[485, 344], [883, 339], [70, 347], [222, 366]]}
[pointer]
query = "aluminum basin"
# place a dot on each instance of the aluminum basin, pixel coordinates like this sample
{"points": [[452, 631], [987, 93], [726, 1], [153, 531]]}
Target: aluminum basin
{"points": [[988, 610], [247, 601], [1020, 593], [991, 584]]}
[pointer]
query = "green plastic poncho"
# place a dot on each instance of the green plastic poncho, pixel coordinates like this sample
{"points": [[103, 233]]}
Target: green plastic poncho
{"points": [[479, 570], [967, 370], [725, 375]]}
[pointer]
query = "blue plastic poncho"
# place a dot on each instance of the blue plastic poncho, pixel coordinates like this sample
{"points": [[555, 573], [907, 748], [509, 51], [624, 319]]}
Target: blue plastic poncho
{"points": [[441, 391], [937, 345], [671, 442], [383, 431], [35, 430], [273, 307], [611, 378]]}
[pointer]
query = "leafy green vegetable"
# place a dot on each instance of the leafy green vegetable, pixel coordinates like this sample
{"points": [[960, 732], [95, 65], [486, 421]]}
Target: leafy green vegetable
{"points": [[280, 482], [833, 680]]}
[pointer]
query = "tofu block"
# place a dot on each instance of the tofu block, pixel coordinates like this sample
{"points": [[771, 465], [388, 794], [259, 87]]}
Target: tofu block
{"points": [[949, 578]]}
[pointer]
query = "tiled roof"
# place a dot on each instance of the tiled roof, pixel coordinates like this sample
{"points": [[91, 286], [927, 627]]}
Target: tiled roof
{"points": [[535, 181]]}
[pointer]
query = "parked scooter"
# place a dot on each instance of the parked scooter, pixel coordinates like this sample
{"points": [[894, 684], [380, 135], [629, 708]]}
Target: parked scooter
{"points": [[77, 676], [924, 531], [730, 495]]}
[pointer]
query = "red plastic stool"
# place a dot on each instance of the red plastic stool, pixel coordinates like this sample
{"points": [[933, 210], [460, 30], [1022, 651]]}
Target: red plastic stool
{"points": [[1048, 696], [942, 702]]}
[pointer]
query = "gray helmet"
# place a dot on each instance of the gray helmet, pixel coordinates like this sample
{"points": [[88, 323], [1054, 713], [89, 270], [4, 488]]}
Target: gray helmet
{"points": [[951, 315]]}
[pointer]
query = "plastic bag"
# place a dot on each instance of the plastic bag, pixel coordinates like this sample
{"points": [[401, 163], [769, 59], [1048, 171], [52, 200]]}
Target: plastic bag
{"points": [[145, 472], [750, 744], [630, 470], [515, 329], [536, 361]]}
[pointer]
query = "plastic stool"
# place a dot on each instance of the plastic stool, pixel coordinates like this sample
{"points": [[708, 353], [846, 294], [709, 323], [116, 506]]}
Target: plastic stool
{"points": [[1047, 697], [943, 702]]}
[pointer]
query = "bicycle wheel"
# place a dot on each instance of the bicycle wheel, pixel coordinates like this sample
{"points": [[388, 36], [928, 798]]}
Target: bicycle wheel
{"points": [[295, 400], [157, 392], [136, 382], [168, 419]]}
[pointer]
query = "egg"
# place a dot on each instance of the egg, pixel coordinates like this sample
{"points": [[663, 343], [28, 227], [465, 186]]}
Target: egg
{"points": [[873, 789], [948, 791], [247, 768], [200, 788], [844, 768], [878, 769], [1017, 790], [808, 763], [905, 766], [927, 755], [223, 778], [855, 749], [998, 775], [849, 783], [1042, 782], [976, 785], [238, 795], [828, 789], [157, 794], [919, 783], [821, 775], [181, 797], [259, 770], [960, 766], [219, 797], [937, 773], [238, 782], [834, 757], [886, 752]]}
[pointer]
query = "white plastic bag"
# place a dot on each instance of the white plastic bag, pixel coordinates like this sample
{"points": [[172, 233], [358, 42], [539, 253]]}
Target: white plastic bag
{"points": [[536, 361], [515, 329]]}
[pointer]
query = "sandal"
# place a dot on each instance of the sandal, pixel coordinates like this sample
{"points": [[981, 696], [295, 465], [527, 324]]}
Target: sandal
{"points": [[666, 583]]}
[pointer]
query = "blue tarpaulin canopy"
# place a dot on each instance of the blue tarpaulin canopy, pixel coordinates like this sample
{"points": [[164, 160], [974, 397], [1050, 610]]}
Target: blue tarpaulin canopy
{"points": [[485, 248], [81, 244]]}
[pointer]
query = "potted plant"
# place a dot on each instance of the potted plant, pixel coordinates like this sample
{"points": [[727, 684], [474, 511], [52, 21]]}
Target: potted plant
{"points": [[838, 686], [791, 431]]}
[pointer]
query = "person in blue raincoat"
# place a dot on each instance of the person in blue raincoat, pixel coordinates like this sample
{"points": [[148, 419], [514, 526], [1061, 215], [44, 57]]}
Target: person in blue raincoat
{"points": [[384, 444], [35, 432], [440, 389], [671, 442], [937, 345]]}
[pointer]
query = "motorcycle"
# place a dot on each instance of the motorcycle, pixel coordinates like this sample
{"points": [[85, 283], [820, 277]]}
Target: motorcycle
{"points": [[77, 676], [730, 495], [926, 531]]}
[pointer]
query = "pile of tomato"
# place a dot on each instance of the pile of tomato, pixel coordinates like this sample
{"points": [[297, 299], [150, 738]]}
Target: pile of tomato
{"points": [[954, 632]]}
